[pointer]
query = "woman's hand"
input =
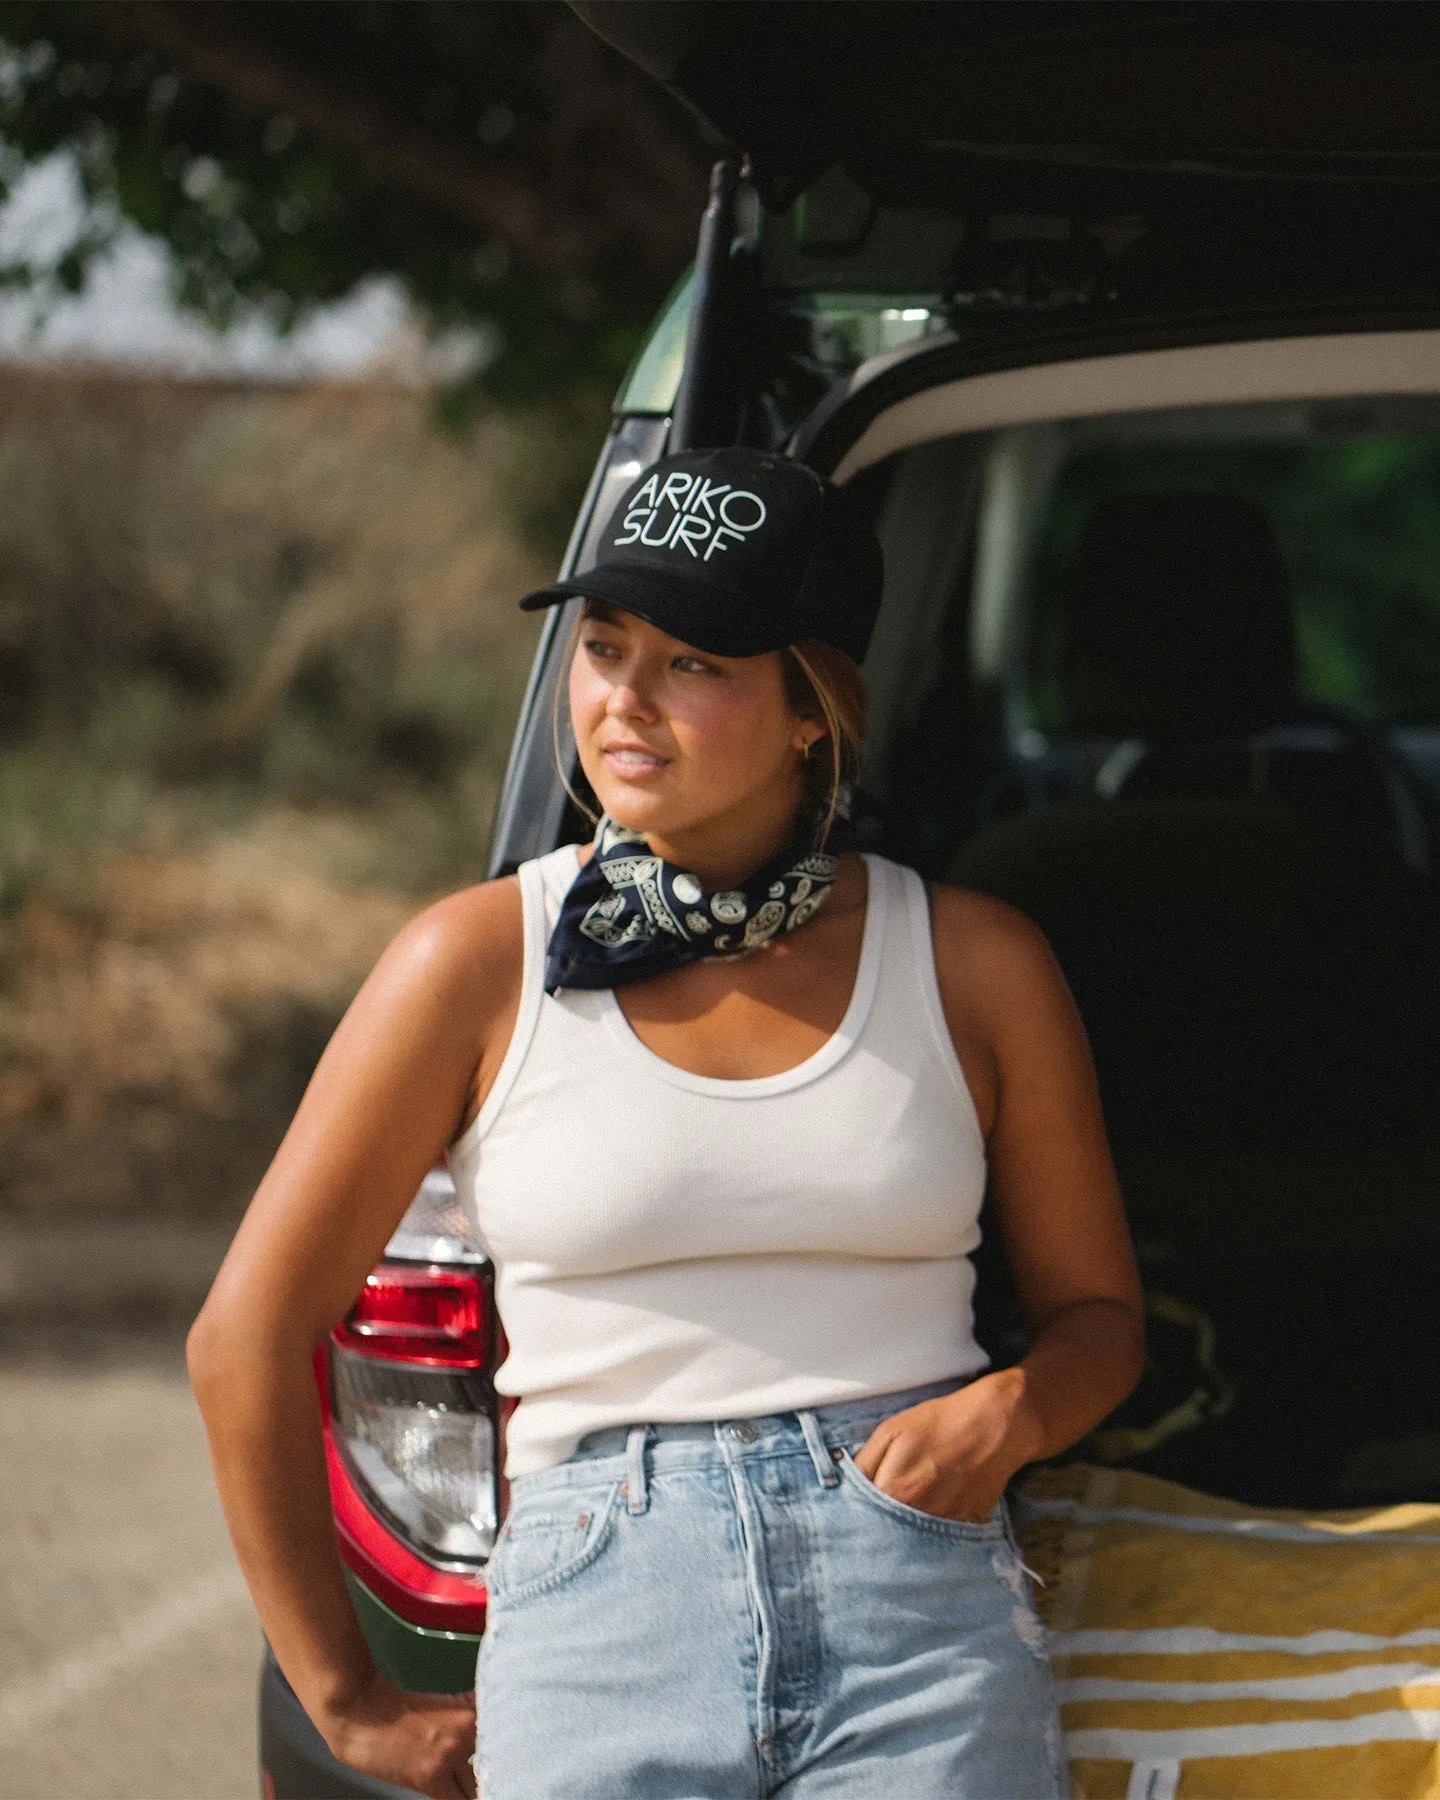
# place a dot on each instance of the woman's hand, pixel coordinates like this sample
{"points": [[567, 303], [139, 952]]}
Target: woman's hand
{"points": [[954, 1456], [420, 1741]]}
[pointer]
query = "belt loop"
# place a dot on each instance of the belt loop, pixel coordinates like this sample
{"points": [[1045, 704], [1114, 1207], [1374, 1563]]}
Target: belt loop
{"points": [[819, 1450], [639, 1491]]}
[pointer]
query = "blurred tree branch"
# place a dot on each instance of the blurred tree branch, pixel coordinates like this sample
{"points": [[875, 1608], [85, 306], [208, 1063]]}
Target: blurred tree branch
{"points": [[493, 153], [480, 190]]}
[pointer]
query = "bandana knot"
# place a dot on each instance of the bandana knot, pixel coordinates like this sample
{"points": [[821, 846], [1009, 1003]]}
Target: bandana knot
{"points": [[629, 913]]}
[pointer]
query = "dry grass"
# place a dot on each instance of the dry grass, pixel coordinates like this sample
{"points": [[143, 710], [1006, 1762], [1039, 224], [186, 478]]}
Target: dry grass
{"points": [[160, 1022], [259, 661]]}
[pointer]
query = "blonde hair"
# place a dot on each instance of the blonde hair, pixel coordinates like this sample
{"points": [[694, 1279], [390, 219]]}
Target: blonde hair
{"points": [[825, 684], [572, 644], [821, 683]]}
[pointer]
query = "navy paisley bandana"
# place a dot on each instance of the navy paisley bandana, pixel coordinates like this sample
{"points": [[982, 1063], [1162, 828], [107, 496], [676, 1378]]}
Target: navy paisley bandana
{"points": [[630, 914]]}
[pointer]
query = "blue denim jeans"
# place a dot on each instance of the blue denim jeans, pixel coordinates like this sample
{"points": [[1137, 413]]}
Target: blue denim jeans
{"points": [[695, 1612]]}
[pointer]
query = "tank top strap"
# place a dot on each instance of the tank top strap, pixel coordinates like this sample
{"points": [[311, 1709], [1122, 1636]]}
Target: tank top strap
{"points": [[920, 977], [537, 878], [553, 875]]}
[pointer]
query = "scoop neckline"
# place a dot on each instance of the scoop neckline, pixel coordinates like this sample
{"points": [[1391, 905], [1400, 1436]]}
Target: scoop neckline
{"points": [[757, 1087]]}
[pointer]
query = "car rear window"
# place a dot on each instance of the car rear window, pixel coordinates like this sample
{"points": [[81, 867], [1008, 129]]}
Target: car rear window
{"points": [[1357, 518]]}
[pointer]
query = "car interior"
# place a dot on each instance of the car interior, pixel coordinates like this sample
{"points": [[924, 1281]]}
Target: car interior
{"points": [[1170, 684]]}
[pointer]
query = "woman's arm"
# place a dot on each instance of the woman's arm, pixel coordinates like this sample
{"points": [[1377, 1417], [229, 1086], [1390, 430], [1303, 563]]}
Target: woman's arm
{"points": [[1057, 1200], [410, 1060]]}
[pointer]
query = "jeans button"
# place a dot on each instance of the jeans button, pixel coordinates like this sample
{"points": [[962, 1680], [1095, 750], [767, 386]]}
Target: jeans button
{"points": [[745, 1431]]}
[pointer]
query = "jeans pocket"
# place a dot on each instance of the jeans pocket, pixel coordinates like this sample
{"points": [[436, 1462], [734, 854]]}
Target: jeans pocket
{"points": [[965, 1531], [548, 1538]]}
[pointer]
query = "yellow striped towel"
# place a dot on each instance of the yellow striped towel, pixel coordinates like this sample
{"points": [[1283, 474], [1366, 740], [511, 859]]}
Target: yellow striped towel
{"points": [[1211, 1651]]}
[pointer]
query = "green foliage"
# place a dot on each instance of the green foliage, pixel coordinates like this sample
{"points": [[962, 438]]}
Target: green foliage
{"points": [[1358, 521], [494, 156]]}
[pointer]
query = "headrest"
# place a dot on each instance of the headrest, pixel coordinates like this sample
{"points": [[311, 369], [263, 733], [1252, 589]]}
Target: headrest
{"points": [[1145, 869], [1178, 622], [1245, 982]]}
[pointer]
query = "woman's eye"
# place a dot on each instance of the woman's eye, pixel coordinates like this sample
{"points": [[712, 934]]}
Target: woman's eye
{"points": [[598, 647], [692, 665]]}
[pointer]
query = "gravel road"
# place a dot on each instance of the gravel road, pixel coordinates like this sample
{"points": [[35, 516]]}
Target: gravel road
{"points": [[128, 1648]]}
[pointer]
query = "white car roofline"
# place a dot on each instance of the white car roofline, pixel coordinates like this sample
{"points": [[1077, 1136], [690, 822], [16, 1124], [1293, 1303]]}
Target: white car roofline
{"points": [[1344, 365]]}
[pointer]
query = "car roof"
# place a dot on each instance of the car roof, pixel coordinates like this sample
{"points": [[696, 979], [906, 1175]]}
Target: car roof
{"points": [[971, 185], [1169, 158], [917, 96]]}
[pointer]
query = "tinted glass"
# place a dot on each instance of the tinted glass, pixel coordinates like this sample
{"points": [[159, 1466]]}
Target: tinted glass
{"points": [[1358, 523]]}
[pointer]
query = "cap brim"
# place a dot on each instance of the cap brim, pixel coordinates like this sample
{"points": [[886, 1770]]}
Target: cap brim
{"points": [[700, 614]]}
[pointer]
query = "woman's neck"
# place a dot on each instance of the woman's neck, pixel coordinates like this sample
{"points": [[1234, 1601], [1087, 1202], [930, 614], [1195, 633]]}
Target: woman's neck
{"points": [[724, 852]]}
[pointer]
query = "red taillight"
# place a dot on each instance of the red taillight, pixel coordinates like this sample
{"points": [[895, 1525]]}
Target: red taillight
{"points": [[411, 1438], [432, 1598], [435, 1316]]}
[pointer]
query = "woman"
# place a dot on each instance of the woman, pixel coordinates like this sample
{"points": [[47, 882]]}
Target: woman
{"points": [[724, 1105]]}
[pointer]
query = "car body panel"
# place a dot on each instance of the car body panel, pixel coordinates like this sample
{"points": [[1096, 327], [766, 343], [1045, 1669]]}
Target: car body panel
{"points": [[416, 1658], [1334, 367], [294, 1759], [653, 379], [915, 94]]}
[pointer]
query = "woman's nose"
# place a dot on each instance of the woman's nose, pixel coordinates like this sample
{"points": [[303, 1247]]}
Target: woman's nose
{"points": [[630, 698]]}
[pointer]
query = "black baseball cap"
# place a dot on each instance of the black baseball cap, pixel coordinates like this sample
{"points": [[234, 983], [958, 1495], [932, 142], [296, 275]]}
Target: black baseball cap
{"points": [[737, 552]]}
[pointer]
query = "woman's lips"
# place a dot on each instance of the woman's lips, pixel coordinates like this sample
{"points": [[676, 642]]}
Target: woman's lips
{"points": [[630, 760]]}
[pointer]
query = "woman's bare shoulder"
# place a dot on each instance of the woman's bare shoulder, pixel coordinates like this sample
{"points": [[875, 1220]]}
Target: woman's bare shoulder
{"points": [[466, 949], [991, 952], [969, 922]]}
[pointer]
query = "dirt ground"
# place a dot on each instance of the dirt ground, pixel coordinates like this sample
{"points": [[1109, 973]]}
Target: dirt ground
{"points": [[128, 1647]]}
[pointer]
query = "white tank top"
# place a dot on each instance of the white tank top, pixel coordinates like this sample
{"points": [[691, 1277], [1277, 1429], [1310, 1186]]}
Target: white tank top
{"points": [[678, 1247]]}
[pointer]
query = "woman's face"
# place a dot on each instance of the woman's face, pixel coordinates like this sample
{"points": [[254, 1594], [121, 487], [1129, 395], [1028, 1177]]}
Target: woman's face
{"points": [[674, 739]]}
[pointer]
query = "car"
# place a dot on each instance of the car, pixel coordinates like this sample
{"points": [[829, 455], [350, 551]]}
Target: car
{"points": [[1123, 324]]}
